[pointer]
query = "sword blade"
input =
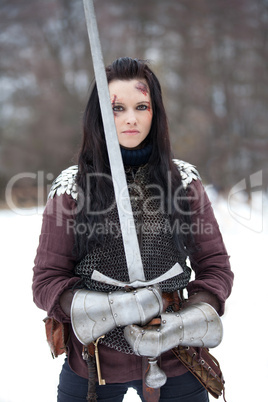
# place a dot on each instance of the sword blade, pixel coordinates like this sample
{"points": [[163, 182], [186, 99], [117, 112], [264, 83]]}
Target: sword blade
{"points": [[129, 235]]}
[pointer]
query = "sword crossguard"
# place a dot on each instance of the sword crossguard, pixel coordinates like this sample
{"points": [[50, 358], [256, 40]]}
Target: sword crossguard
{"points": [[174, 271]]}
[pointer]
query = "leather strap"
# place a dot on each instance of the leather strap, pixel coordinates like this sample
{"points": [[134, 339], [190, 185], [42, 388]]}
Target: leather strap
{"points": [[88, 356], [173, 299]]}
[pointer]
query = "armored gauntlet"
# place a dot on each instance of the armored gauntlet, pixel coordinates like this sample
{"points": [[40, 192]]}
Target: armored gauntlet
{"points": [[95, 313], [197, 325]]}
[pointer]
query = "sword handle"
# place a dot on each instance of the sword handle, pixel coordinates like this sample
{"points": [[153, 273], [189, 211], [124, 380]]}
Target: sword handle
{"points": [[101, 380], [155, 377]]}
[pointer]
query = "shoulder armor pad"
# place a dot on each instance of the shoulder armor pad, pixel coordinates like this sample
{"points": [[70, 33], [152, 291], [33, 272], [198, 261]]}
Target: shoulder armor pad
{"points": [[65, 183], [188, 172]]}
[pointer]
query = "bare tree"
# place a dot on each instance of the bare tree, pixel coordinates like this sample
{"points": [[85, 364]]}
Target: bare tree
{"points": [[211, 58]]}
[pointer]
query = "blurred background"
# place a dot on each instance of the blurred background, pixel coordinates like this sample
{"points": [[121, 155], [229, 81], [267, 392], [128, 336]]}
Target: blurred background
{"points": [[211, 58]]}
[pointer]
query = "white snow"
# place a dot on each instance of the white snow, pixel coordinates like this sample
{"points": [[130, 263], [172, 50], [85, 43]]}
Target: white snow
{"points": [[29, 374]]}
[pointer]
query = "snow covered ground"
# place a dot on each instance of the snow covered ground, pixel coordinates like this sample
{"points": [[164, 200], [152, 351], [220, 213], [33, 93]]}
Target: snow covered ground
{"points": [[29, 374]]}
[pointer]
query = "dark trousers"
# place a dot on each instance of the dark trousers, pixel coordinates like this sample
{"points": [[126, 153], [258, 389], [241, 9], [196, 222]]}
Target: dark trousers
{"points": [[185, 388]]}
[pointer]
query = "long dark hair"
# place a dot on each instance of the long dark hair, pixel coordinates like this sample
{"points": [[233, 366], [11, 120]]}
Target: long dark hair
{"points": [[93, 158]]}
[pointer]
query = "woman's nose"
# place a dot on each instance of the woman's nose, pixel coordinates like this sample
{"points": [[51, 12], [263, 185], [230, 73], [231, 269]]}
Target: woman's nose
{"points": [[131, 118]]}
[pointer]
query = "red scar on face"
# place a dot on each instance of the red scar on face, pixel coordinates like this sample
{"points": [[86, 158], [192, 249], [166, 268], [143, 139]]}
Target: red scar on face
{"points": [[113, 104], [114, 100], [149, 109], [142, 87]]}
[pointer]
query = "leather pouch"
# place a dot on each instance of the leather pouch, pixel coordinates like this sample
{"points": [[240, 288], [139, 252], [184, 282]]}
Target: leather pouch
{"points": [[57, 335], [204, 367]]}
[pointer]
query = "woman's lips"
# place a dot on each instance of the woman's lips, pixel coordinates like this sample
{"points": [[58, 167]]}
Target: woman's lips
{"points": [[131, 132]]}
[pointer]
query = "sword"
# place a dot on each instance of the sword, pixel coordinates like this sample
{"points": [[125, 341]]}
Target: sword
{"points": [[126, 219]]}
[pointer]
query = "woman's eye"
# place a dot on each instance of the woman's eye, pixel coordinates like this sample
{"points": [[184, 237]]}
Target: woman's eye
{"points": [[142, 107], [117, 108]]}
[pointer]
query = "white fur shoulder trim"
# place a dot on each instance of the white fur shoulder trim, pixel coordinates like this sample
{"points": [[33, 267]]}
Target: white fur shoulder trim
{"points": [[188, 172], [65, 183]]}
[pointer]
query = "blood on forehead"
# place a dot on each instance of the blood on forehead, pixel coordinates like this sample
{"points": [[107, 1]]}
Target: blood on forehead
{"points": [[141, 86], [114, 99]]}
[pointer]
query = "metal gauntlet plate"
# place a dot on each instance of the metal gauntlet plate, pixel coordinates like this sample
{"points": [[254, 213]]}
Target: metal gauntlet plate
{"points": [[95, 313]]}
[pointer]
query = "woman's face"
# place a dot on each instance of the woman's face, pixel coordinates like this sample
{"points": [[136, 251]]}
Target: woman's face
{"points": [[131, 103]]}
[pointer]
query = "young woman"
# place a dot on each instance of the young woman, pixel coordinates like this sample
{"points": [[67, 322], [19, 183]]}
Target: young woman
{"points": [[81, 233]]}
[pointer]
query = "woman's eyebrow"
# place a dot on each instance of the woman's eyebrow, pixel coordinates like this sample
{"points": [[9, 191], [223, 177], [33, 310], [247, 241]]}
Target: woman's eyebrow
{"points": [[114, 100], [117, 102]]}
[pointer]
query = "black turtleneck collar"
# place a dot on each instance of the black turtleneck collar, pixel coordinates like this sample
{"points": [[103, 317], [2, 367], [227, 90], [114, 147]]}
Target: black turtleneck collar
{"points": [[136, 157]]}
